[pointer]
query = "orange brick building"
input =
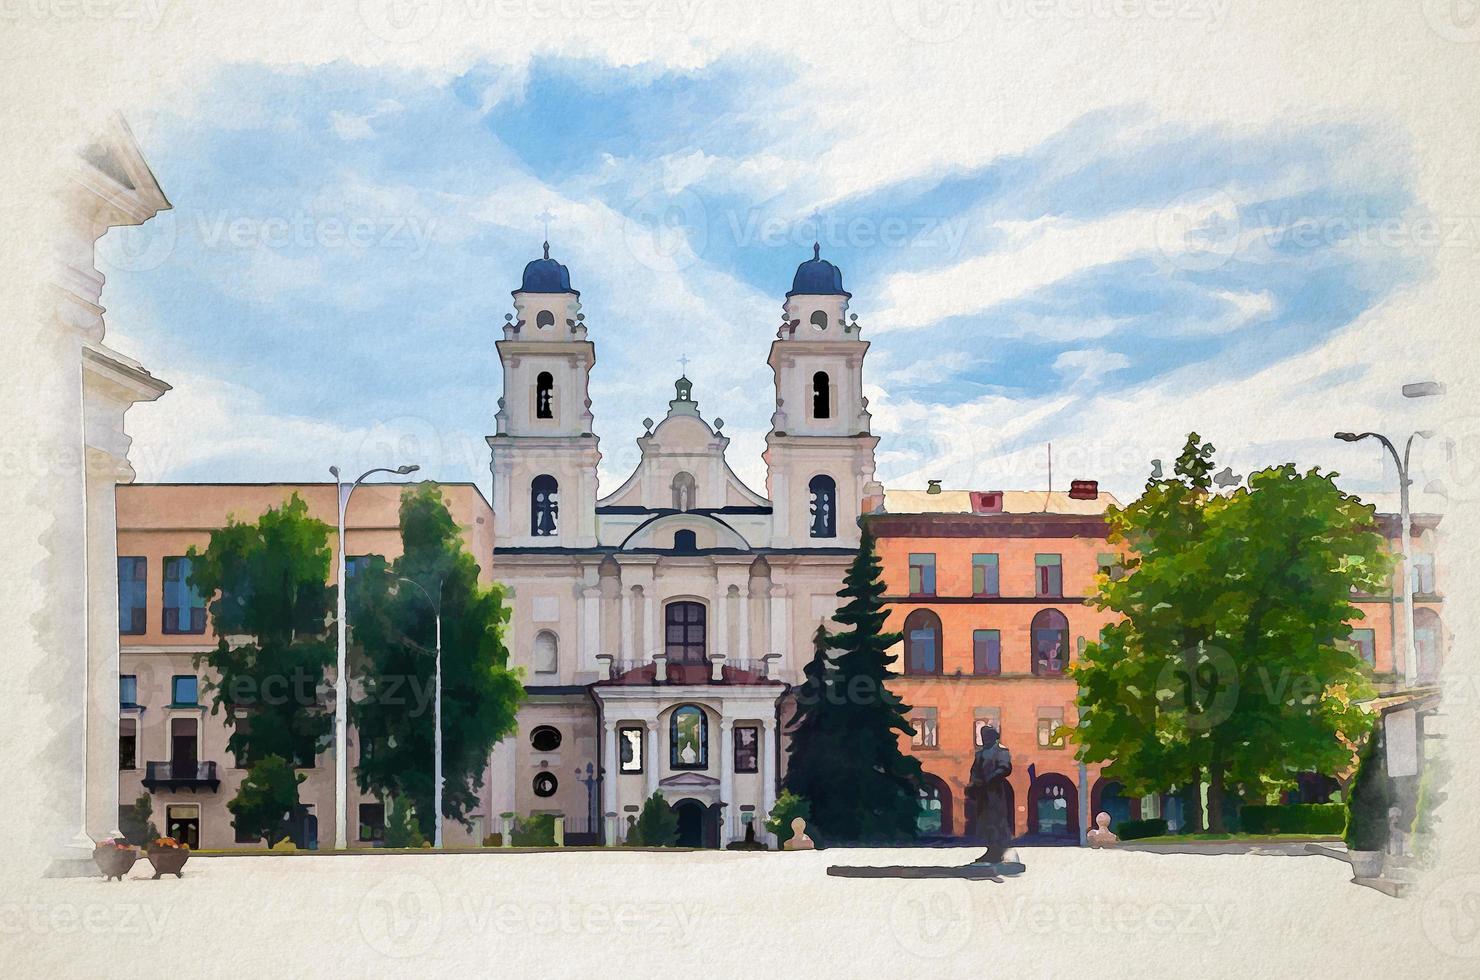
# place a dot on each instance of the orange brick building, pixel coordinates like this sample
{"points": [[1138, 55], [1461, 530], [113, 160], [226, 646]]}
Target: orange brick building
{"points": [[990, 590]]}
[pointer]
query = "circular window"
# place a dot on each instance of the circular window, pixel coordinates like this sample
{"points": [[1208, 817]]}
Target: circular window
{"points": [[545, 784], [545, 738]]}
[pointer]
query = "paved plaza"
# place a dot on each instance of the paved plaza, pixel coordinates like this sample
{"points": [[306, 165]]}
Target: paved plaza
{"points": [[625, 913]]}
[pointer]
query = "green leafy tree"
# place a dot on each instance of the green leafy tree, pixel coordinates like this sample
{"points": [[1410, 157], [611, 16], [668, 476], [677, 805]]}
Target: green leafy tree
{"points": [[137, 822], [844, 756], [267, 804], [394, 627], [788, 807], [656, 826], [271, 608], [1229, 665], [402, 829], [1367, 823]]}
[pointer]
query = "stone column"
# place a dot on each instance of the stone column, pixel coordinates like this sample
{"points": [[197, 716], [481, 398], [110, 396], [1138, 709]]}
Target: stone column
{"points": [[624, 642], [746, 605], [609, 766], [778, 620], [727, 779], [590, 627], [650, 644], [768, 775], [104, 473], [721, 646], [652, 762]]}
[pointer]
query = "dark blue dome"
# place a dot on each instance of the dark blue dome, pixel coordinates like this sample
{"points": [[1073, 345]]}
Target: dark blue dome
{"points": [[546, 276], [818, 277]]}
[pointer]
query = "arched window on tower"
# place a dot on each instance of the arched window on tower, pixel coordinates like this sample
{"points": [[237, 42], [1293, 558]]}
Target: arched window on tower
{"points": [[823, 494], [821, 396], [685, 490], [544, 396], [819, 320], [544, 319], [544, 506]]}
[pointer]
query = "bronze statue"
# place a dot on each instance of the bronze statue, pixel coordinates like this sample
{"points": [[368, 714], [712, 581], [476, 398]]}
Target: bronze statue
{"points": [[990, 794]]}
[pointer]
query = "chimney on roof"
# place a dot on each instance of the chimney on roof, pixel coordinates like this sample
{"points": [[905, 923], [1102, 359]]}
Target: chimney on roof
{"points": [[986, 501], [1084, 489]]}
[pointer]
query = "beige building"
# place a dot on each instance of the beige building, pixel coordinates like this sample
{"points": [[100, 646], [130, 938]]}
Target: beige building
{"points": [[170, 746]]}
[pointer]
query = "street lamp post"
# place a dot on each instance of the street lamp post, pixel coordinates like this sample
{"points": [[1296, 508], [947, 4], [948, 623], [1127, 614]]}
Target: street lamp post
{"points": [[1410, 656], [436, 605], [341, 674]]}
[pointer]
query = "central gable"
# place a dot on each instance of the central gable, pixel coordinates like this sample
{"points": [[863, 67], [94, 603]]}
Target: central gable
{"points": [[683, 465]]}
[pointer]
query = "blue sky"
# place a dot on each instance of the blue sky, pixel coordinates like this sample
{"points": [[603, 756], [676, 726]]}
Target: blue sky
{"points": [[338, 263]]}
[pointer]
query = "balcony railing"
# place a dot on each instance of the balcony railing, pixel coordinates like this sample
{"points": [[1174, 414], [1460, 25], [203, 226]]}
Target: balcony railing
{"points": [[181, 775], [717, 671]]}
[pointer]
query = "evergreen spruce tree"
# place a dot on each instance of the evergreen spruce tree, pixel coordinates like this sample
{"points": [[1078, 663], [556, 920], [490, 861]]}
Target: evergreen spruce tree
{"points": [[845, 756]]}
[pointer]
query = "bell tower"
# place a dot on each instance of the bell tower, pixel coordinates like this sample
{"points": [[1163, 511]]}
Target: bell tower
{"points": [[819, 452], [544, 452]]}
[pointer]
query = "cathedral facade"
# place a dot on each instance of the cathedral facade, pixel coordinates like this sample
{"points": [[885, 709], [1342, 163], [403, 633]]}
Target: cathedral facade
{"points": [[661, 624]]}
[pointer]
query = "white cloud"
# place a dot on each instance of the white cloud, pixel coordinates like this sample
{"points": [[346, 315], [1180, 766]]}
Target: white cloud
{"points": [[1036, 254], [352, 126], [1089, 365]]}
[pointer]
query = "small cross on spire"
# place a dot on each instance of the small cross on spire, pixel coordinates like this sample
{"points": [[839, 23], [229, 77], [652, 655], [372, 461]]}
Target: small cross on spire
{"points": [[545, 216], [683, 363]]}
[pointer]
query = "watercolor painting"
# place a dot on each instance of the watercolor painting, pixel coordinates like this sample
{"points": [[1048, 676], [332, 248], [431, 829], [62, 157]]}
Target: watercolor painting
{"points": [[921, 485]]}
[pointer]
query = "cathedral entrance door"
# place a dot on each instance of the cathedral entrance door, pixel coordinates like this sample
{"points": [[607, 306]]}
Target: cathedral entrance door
{"points": [[692, 816]]}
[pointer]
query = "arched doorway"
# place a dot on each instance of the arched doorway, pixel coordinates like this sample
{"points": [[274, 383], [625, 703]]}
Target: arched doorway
{"points": [[693, 820], [934, 819], [1053, 807]]}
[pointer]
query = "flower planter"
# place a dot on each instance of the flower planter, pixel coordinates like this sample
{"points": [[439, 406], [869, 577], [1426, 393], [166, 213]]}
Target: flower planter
{"points": [[114, 862], [168, 860], [1366, 864]]}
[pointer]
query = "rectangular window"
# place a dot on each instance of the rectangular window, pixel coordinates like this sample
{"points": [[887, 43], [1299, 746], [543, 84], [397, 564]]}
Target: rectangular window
{"points": [[926, 723], [629, 742], [1050, 571], [984, 577], [372, 821], [922, 574], [1049, 722], [985, 717], [1364, 644], [184, 609], [747, 748], [128, 743], [986, 652], [128, 691], [184, 691], [133, 595], [1423, 573]]}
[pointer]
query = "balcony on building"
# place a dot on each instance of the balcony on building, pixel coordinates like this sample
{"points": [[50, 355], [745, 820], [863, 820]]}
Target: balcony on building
{"points": [[181, 774], [714, 670]]}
